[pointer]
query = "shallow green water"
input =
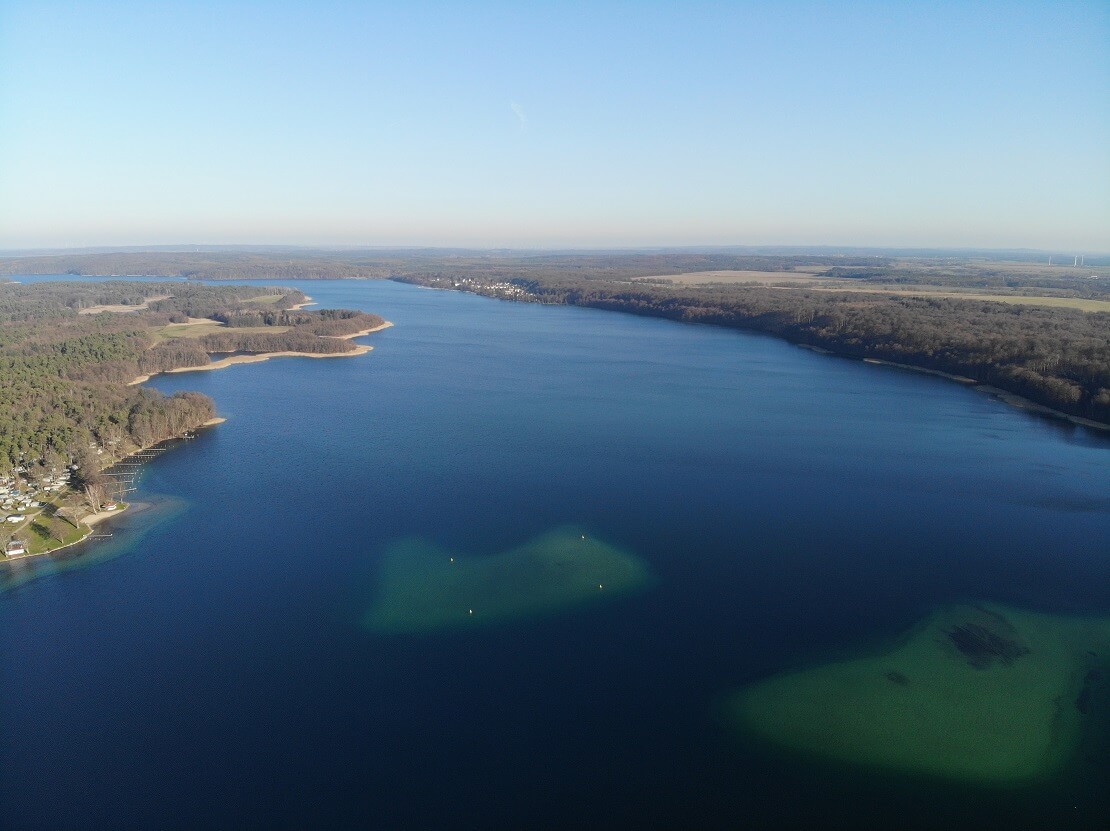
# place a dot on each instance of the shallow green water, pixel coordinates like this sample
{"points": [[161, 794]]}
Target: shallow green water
{"points": [[112, 538], [424, 587], [1003, 704]]}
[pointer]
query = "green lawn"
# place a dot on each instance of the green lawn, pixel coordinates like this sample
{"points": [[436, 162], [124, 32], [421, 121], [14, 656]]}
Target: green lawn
{"points": [[35, 532]]}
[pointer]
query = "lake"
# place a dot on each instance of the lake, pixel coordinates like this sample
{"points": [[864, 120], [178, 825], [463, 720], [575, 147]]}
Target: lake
{"points": [[230, 658]]}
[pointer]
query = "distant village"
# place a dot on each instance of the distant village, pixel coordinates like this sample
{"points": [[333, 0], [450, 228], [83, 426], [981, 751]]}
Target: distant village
{"points": [[498, 289]]}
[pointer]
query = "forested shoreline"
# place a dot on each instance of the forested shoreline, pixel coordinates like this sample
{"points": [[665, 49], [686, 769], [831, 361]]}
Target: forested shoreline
{"points": [[65, 377], [1018, 272], [1057, 358]]}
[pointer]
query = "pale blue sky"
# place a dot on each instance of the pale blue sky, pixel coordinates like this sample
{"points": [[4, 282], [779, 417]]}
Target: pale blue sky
{"points": [[556, 124]]}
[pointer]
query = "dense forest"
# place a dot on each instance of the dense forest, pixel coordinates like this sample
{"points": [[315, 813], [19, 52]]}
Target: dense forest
{"points": [[64, 375], [384, 264], [1059, 358], [67, 299], [1019, 272]]}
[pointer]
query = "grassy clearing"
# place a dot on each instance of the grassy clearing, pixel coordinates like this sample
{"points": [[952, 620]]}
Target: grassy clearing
{"points": [[199, 330], [39, 540], [189, 330], [807, 278], [266, 298], [121, 309], [1080, 303], [1059, 302], [983, 266], [35, 531], [701, 278]]}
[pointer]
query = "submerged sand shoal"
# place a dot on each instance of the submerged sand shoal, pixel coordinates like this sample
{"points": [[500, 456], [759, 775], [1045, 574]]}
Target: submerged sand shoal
{"points": [[982, 694], [423, 587]]}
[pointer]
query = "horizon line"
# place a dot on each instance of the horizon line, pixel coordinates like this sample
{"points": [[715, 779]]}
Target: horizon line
{"points": [[196, 247]]}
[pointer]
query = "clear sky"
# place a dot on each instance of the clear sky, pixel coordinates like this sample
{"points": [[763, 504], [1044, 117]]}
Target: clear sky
{"points": [[534, 124]]}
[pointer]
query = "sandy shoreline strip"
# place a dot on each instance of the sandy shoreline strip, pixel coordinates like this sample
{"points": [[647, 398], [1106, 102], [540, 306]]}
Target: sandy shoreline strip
{"points": [[961, 378], [1013, 399], [1022, 403], [360, 349], [384, 325], [308, 301], [223, 363], [92, 519]]}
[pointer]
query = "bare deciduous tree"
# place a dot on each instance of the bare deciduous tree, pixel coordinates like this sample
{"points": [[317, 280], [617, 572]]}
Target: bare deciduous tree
{"points": [[95, 494]]}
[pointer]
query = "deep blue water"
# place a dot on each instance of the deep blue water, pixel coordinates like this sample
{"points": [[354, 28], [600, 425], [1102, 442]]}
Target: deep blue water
{"points": [[215, 675]]}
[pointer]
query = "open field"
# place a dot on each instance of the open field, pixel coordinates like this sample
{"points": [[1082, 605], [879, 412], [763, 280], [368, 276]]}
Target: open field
{"points": [[123, 309], [701, 278], [807, 278], [200, 328], [266, 298], [1057, 269], [1081, 303]]}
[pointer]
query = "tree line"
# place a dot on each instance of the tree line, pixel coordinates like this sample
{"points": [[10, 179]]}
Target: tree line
{"points": [[65, 396], [1009, 272], [1056, 357]]}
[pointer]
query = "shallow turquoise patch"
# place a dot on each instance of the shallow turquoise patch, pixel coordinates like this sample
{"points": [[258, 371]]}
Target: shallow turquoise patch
{"points": [[981, 694], [424, 587]]}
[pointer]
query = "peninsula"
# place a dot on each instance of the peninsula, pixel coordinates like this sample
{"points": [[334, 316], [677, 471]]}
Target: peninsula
{"points": [[72, 357], [1028, 327]]}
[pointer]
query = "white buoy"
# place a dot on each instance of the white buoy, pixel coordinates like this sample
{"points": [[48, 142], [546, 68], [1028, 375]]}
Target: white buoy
{"points": [[600, 586], [471, 611]]}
